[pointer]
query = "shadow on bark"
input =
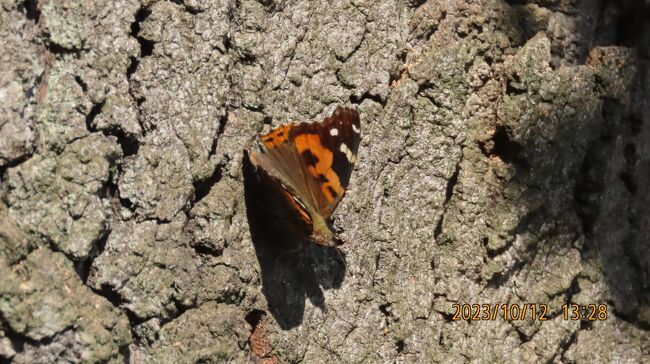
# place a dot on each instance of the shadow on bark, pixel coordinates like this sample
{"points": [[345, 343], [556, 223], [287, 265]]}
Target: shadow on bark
{"points": [[612, 217], [292, 268], [626, 253]]}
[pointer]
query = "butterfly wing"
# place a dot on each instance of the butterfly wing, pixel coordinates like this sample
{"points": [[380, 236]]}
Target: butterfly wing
{"points": [[328, 151], [277, 159], [312, 162]]}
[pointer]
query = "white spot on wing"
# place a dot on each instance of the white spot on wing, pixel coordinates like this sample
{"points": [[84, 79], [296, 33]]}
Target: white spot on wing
{"points": [[348, 153], [334, 132], [344, 149], [355, 128]]}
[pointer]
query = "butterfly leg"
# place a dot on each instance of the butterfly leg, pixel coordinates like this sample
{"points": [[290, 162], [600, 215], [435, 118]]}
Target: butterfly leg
{"points": [[285, 253]]}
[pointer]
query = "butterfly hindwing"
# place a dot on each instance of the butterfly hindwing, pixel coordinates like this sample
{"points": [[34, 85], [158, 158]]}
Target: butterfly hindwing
{"points": [[294, 209], [277, 160]]}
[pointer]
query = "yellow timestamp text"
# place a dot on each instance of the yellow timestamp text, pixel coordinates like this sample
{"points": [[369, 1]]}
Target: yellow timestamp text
{"points": [[505, 311], [526, 311], [589, 312]]}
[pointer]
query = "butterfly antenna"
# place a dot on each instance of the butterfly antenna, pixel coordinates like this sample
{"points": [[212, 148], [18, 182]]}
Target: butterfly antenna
{"points": [[340, 256]]}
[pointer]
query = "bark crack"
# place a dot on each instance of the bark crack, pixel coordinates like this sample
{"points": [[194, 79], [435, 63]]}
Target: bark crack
{"points": [[146, 50], [449, 193]]}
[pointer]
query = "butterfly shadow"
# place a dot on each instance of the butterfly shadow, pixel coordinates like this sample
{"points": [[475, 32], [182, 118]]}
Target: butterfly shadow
{"points": [[292, 268]]}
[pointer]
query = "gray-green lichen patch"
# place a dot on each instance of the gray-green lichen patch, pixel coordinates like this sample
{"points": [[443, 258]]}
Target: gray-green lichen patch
{"points": [[61, 116], [212, 332], [372, 36], [213, 220], [20, 69], [42, 298], [14, 244], [141, 267], [217, 219], [181, 86], [17, 135], [157, 181], [93, 71], [65, 23], [529, 67], [155, 274], [56, 198]]}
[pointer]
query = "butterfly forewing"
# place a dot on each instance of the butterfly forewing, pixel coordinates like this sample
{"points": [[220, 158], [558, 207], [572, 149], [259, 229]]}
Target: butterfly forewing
{"points": [[312, 161], [328, 150]]}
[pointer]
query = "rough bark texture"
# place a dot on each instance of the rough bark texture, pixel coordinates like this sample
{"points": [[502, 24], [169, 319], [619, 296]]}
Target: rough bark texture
{"points": [[505, 159]]}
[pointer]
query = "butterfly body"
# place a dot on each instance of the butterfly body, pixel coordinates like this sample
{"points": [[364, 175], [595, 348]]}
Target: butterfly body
{"points": [[309, 165]]}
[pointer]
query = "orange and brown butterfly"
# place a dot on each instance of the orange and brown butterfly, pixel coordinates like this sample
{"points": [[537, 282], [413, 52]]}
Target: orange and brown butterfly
{"points": [[310, 164]]}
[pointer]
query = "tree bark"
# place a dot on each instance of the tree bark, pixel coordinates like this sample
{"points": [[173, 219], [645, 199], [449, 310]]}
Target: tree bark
{"points": [[504, 163]]}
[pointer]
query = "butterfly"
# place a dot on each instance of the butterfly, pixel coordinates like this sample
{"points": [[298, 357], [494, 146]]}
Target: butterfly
{"points": [[309, 165]]}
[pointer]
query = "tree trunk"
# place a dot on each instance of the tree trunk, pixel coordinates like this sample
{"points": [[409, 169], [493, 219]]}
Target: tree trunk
{"points": [[503, 176]]}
